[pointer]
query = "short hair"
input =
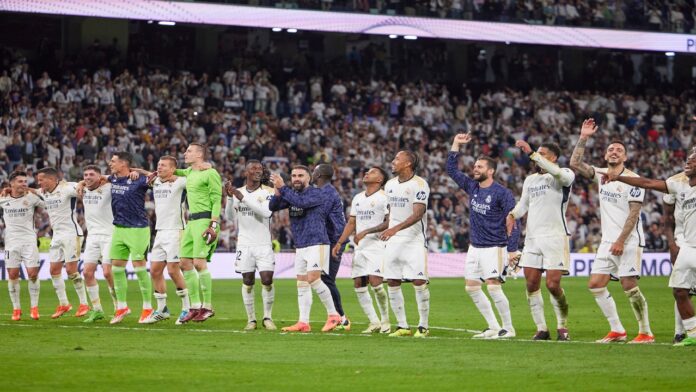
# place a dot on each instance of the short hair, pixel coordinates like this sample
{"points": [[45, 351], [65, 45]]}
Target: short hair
{"points": [[490, 162], [302, 167], [49, 171], [617, 141], [93, 168], [202, 147], [413, 158], [253, 161], [170, 159], [385, 176], [325, 170], [16, 174], [553, 147], [124, 156]]}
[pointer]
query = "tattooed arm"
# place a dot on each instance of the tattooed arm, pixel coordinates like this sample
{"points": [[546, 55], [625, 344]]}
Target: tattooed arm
{"points": [[576, 160]]}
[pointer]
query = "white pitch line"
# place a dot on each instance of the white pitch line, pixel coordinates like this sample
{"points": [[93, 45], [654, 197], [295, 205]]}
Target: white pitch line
{"points": [[251, 333]]}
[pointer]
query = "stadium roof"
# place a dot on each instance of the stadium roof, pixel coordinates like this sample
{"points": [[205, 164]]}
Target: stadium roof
{"points": [[339, 22]]}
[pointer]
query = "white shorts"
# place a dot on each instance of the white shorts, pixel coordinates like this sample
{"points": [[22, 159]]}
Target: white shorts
{"points": [[368, 259], [628, 264], [485, 263], [684, 269], [251, 258], [166, 246], [405, 260], [549, 253], [312, 258], [97, 249], [65, 248], [16, 254]]}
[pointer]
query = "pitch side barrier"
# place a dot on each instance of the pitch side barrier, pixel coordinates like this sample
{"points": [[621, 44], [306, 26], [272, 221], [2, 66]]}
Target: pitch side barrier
{"points": [[440, 265]]}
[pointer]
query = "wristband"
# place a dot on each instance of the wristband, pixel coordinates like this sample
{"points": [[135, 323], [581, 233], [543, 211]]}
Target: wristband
{"points": [[213, 224]]}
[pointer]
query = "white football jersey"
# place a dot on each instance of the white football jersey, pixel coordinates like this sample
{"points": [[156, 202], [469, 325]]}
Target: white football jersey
{"points": [[18, 215], [684, 208], [545, 200], [60, 205], [98, 214], [253, 216], [369, 211], [169, 201], [614, 199], [669, 198], [401, 196]]}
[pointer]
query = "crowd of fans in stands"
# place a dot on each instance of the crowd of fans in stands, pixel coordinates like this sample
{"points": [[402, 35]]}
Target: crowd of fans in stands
{"points": [[76, 118], [669, 15]]}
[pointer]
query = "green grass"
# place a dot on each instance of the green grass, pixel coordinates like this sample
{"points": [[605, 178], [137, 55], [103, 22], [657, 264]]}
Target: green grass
{"points": [[66, 354]]}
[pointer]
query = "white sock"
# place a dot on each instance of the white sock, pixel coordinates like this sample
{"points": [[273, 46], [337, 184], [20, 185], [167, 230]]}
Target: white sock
{"points": [[112, 293], [678, 324], [248, 299], [382, 300], [484, 306], [161, 299], [304, 300], [423, 301], [79, 284], [690, 327], [268, 297], [365, 302], [608, 306], [324, 295], [536, 306], [560, 307], [34, 291], [396, 300], [185, 302], [93, 292], [502, 304], [13, 289], [59, 286], [640, 309]]}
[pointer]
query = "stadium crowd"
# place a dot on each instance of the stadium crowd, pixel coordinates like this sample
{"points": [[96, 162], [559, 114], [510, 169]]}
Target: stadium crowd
{"points": [[73, 119], [670, 15]]}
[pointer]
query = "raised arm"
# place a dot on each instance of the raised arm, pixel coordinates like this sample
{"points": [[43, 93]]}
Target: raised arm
{"points": [[564, 176], [576, 160], [260, 208], [462, 180], [277, 203]]}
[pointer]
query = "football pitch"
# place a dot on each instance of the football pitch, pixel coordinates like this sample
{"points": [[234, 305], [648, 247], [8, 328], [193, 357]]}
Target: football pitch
{"points": [[66, 354]]}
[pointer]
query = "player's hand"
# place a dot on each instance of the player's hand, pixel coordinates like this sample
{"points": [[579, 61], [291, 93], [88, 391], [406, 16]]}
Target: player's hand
{"points": [[459, 139], [210, 235], [358, 237], [277, 181], [617, 248], [514, 260], [336, 249], [524, 146], [229, 189], [588, 128], [673, 252], [510, 224], [6, 192], [134, 175], [609, 177], [387, 234]]}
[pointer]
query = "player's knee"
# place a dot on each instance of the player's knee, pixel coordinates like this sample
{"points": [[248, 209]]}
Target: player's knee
{"points": [[553, 287], [532, 286], [266, 281], [248, 281], [56, 268], [13, 274]]}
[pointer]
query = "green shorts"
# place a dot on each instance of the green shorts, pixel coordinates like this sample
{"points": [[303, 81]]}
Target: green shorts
{"points": [[193, 244], [130, 242]]}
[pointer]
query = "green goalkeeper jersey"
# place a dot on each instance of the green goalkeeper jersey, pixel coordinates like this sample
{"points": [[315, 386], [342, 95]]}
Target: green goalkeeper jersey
{"points": [[203, 190]]}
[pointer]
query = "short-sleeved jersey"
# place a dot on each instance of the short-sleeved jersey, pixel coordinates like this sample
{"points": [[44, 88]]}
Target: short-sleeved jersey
{"points": [[18, 215], [128, 201], [98, 215], [253, 216], [614, 200], [60, 206], [684, 208], [401, 197], [369, 211], [545, 200], [169, 203]]}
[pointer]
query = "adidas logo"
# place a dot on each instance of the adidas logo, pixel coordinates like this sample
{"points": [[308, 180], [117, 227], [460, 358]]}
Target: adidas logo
{"points": [[632, 270], [560, 264], [377, 271], [494, 272], [315, 266], [420, 274]]}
